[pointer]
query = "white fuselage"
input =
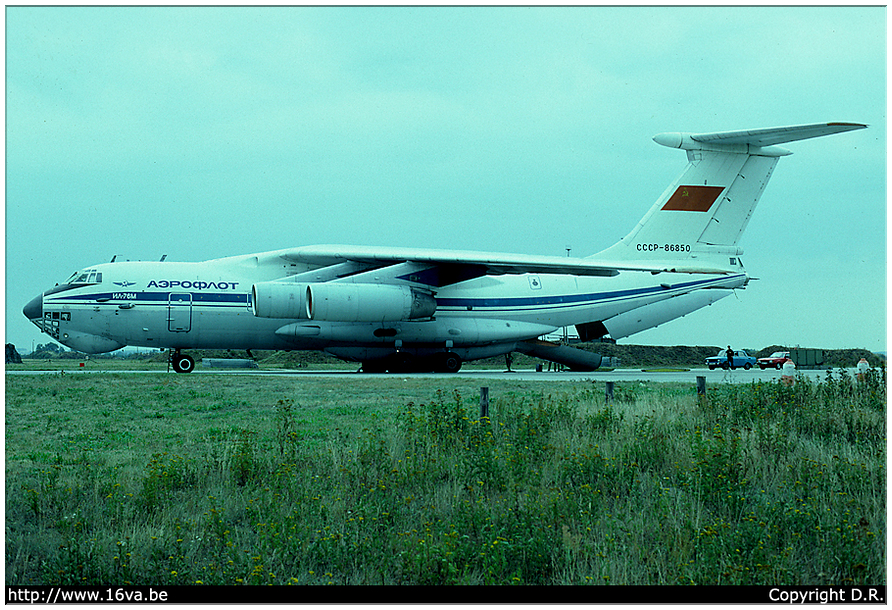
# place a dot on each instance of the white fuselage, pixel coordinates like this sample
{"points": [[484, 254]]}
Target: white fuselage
{"points": [[209, 305]]}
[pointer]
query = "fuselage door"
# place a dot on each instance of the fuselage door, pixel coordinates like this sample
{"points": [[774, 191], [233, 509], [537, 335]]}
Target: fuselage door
{"points": [[179, 312]]}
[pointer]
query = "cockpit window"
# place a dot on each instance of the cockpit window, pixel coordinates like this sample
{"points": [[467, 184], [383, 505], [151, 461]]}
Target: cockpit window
{"points": [[90, 276]]}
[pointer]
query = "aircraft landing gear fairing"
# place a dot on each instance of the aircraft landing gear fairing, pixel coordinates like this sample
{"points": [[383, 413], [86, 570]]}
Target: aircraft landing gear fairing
{"points": [[446, 362], [181, 362]]}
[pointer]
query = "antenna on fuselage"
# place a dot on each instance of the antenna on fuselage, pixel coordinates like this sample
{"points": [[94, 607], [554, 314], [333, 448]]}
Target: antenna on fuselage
{"points": [[113, 258], [163, 257]]}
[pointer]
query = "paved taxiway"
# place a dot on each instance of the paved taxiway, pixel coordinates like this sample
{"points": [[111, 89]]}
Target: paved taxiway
{"points": [[712, 377]]}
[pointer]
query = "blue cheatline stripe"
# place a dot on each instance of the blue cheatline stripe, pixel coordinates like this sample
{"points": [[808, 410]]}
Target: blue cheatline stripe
{"points": [[157, 298], [568, 300], [219, 299]]}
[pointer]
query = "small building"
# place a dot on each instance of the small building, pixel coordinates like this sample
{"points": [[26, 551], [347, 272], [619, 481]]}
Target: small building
{"points": [[807, 358]]}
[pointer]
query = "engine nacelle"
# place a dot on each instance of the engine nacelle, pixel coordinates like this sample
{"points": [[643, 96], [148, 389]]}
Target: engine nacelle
{"points": [[279, 300], [342, 302]]}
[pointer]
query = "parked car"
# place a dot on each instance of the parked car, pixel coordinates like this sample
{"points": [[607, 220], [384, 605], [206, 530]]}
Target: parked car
{"points": [[741, 360], [775, 360]]}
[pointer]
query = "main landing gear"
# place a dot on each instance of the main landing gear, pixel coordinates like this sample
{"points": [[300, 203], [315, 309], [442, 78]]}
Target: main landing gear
{"points": [[447, 362], [181, 363]]}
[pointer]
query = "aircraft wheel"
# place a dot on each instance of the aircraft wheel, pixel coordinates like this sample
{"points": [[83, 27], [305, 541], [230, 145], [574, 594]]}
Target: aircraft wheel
{"points": [[448, 363], [183, 364]]}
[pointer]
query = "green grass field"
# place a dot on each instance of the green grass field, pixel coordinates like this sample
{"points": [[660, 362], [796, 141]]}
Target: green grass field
{"points": [[163, 479]]}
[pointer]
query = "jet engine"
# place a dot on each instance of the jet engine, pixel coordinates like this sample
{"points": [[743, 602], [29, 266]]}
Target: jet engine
{"points": [[341, 302], [337, 302], [279, 300]]}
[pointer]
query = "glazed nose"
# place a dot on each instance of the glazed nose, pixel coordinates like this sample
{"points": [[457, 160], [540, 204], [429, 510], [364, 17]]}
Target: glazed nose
{"points": [[34, 309]]}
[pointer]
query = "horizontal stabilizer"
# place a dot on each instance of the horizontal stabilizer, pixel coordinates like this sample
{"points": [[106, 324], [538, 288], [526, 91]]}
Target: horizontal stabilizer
{"points": [[776, 135], [758, 138]]}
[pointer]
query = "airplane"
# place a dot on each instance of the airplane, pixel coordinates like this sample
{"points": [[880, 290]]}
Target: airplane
{"points": [[404, 309]]}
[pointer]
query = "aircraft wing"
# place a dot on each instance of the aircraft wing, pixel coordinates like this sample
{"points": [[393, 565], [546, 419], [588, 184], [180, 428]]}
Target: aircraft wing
{"points": [[465, 264], [491, 263]]}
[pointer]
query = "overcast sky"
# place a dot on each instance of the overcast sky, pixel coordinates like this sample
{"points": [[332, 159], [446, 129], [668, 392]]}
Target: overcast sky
{"points": [[213, 131]]}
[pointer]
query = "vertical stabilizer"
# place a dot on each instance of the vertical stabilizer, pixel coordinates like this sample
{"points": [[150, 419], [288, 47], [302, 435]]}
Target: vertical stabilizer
{"points": [[702, 215]]}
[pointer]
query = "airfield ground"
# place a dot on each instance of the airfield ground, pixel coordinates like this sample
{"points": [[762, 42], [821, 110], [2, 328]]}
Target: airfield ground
{"points": [[227, 479]]}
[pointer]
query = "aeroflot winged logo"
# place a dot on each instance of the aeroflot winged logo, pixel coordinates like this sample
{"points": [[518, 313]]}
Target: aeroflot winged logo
{"points": [[693, 198], [124, 284]]}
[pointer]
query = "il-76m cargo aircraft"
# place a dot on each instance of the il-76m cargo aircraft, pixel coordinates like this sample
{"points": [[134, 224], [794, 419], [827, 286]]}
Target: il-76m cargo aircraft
{"points": [[396, 309]]}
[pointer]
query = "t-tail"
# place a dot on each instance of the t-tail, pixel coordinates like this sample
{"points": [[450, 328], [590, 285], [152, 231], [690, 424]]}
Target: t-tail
{"points": [[697, 222]]}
